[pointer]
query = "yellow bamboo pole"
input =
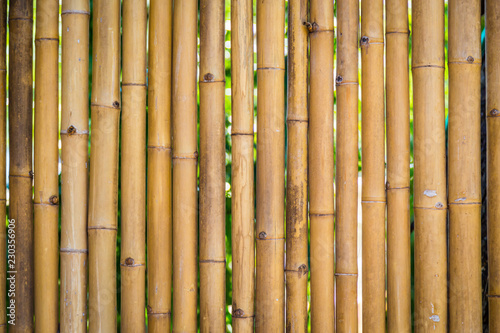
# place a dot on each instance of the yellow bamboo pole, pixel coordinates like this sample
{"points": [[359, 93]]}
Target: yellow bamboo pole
{"points": [[133, 167], [103, 192], [430, 166], [296, 185], [373, 164], [159, 167], [398, 169], [347, 166], [242, 136], [20, 148], [185, 156], [46, 170], [270, 288], [3, 162]]}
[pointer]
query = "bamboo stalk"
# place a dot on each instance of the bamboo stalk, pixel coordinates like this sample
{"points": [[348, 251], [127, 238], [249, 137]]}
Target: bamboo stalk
{"points": [[20, 147], [212, 168], [3, 163], [133, 167], [430, 166], [373, 166], [103, 198], [185, 156], [347, 166], [398, 169], [242, 136], [270, 288], [159, 167], [296, 190], [46, 207]]}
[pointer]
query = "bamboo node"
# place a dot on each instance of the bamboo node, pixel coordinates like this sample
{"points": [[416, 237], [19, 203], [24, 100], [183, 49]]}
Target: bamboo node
{"points": [[339, 79], [54, 200], [262, 235], [439, 205], [311, 26], [494, 113], [71, 130], [116, 104], [31, 173], [470, 59], [129, 261], [209, 77], [303, 269], [365, 40], [238, 313]]}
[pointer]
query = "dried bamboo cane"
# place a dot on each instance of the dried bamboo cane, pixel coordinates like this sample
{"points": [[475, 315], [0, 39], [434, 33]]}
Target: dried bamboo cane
{"points": [[3, 163], [398, 169], [373, 166], [430, 166], [270, 288], [46, 169], [242, 136], [212, 168], [296, 190], [347, 166], [185, 156], [103, 198], [20, 147], [159, 167], [133, 167]]}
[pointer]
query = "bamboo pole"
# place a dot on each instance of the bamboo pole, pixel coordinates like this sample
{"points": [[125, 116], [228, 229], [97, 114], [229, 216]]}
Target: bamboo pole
{"points": [[3, 163], [185, 156], [347, 166], [242, 136], [212, 167], [133, 167], [270, 288], [46, 169], [20, 147], [398, 169], [430, 166], [296, 185], [103, 198], [159, 167], [373, 164]]}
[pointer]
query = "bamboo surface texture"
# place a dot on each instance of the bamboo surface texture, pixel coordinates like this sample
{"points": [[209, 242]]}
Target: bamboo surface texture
{"points": [[296, 187], [398, 169], [3, 162], [270, 195]]}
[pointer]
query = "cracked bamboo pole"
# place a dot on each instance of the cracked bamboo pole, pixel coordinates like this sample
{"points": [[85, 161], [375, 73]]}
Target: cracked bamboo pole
{"points": [[20, 148], [347, 167], [185, 156], [46, 207], [270, 286], [373, 164], [430, 166], [3, 163], [103, 192], [296, 190], [321, 166], [212, 167], [398, 169], [133, 167], [242, 136], [159, 167]]}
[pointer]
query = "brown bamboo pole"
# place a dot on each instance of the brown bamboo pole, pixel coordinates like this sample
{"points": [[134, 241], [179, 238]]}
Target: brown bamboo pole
{"points": [[242, 136], [133, 167], [270, 288], [430, 166], [398, 169], [3, 163], [296, 185], [373, 164], [185, 156], [20, 148], [346, 272], [159, 167], [103, 192], [46, 170], [74, 160], [212, 167]]}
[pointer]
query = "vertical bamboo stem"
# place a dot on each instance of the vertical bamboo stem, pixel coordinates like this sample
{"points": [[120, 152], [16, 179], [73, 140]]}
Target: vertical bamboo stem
{"points": [[103, 198], [185, 156], [20, 141], [430, 166], [398, 169], [3, 163], [46, 170], [159, 167], [296, 186], [347, 166], [270, 288], [242, 136], [133, 167]]}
